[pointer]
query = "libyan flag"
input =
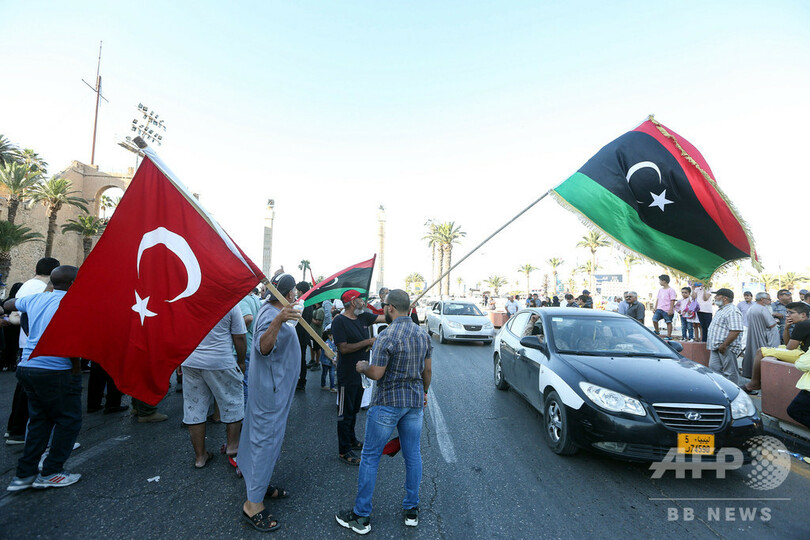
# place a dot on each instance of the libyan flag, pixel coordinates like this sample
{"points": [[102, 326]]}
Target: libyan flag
{"points": [[652, 192], [357, 277]]}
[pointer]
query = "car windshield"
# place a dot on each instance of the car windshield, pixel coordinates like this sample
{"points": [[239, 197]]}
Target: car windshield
{"points": [[452, 308], [611, 336]]}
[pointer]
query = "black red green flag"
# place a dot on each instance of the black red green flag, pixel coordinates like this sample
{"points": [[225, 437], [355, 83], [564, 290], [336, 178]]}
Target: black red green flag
{"points": [[653, 192], [357, 277]]}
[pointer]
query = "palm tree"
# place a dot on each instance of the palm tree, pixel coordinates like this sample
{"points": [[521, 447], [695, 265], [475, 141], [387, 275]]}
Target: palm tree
{"points": [[304, 266], [571, 284], [9, 153], [593, 241], [433, 243], [109, 203], [412, 279], [459, 282], [448, 234], [54, 194], [33, 161], [554, 263], [789, 279], [771, 281], [589, 269], [19, 181], [527, 269], [11, 236], [629, 262], [87, 227], [496, 282]]}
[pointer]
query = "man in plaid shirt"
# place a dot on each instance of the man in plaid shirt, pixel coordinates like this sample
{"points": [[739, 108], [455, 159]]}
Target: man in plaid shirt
{"points": [[401, 365], [723, 339]]}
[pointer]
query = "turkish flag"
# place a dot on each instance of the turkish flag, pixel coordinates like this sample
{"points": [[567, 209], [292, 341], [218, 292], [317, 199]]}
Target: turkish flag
{"points": [[159, 279]]}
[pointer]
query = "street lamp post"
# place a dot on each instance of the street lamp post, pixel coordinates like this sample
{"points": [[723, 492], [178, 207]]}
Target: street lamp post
{"points": [[148, 126], [268, 237]]}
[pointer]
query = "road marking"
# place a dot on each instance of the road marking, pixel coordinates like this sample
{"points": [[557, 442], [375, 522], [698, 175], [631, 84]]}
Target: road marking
{"points": [[440, 427], [88, 454]]}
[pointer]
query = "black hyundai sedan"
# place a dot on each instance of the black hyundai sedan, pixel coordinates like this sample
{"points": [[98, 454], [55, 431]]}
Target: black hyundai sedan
{"points": [[605, 382]]}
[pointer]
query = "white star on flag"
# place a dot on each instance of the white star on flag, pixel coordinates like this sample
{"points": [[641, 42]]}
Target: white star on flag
{"points": [[141, 309], [660, 200]]}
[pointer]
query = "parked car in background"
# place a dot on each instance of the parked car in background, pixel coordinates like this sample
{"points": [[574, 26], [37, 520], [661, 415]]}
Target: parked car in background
{"points": [[605, 382], [459, 320]]}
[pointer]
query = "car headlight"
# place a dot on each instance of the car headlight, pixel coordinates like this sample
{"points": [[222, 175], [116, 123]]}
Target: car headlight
{"points": [[454, 325], [742, 406], [612, 401]]}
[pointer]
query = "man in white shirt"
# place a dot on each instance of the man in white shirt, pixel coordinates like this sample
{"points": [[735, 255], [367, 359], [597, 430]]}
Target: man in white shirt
{"points": [[512, 306], [211, 371]]}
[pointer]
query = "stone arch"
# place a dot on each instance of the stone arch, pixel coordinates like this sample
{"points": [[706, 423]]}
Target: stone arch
{"points": [[99, 194]]}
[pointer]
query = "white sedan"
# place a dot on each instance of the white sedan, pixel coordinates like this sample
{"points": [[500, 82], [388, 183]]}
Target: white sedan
{"points": [[459, 320]]}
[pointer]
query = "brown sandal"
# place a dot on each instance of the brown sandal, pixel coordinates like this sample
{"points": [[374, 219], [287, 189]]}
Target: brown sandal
{"points": [[261, 521]]}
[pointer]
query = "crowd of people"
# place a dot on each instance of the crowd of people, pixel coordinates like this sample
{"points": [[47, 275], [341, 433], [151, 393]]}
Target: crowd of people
{"points": [[246, 372]]}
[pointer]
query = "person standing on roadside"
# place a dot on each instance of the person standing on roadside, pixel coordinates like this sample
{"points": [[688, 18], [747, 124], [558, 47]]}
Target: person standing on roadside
{"points": [[274, 370], [54, 389], [779, 309], [511, 306], [351, 333], [704, 313], [723, 339], [664, 305], [401, 366]]}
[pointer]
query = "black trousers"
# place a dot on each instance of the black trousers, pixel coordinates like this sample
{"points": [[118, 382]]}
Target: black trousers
{"points": [[705, 321], [302, 376], [18, 419], [349, 399], [799, 408], [99, 379]]}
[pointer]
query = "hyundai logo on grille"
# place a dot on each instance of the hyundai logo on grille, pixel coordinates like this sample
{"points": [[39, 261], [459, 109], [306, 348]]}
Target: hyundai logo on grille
{"points": [[692, 415]]}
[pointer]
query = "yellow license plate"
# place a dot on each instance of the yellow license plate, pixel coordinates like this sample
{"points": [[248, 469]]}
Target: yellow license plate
{"points": [[696, 443]]}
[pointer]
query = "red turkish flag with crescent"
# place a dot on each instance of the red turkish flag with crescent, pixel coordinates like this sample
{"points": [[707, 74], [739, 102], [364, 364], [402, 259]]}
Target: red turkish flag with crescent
{"points": [[158, 280]]}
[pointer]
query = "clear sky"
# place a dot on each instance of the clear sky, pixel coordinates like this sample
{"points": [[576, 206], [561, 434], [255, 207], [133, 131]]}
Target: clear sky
{"points": [[456, 111]]}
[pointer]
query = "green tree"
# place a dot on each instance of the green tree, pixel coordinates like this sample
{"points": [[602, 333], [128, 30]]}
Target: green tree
{"points": [[771, 281], [526, 270], [432, 238], [412, 279], [459, 283], [789, 279], [449, 234], [588, 269], [304, 266], [87, 226], [554, 263], [496, 282], [31, 160], [629, 262], [20, 182], [11, 236], [9, 153], [54, 194], [593, 241]]}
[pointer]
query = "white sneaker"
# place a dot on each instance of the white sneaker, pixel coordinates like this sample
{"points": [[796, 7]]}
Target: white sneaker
{"points": [[61, 479]]}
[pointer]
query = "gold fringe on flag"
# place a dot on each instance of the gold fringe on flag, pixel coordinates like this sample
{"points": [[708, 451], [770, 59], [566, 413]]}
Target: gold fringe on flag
{"points": [[754, 262]]}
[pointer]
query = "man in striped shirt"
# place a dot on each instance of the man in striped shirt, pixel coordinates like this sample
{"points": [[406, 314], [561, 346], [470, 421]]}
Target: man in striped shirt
{"points": [[401, 365], [723, 338]]}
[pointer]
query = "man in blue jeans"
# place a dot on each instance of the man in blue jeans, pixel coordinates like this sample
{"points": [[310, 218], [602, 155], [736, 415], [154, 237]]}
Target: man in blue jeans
{"points": [[401, 365], [54, 389]]}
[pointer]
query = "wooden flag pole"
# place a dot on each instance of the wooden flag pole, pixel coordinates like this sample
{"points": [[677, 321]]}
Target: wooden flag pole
{"points": [[318, 339], [487, 239]]}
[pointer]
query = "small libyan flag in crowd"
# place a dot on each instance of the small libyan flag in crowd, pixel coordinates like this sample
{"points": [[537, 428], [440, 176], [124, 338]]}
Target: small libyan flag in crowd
{"points": [[652, 192], [357, 277]]}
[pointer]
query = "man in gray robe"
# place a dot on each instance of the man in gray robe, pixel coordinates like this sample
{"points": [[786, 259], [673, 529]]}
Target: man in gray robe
{"points": [[762, 331], [274, 368]]}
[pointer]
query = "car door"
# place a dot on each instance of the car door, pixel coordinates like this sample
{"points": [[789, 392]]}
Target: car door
{"points": [[433, 317], [510, 344], [527, 365]]}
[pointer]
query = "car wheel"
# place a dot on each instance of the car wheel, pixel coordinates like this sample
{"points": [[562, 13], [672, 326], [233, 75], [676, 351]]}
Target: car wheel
{"points": [[442, 339], [556, 430], [500, 382], [428, 329]]}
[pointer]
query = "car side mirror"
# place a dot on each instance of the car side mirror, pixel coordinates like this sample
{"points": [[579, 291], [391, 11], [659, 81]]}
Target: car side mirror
{"points": [[676, 346], [533, 342]]}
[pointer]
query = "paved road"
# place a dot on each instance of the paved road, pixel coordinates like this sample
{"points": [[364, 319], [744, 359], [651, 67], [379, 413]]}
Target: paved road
{"points": [[487, 473]]}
